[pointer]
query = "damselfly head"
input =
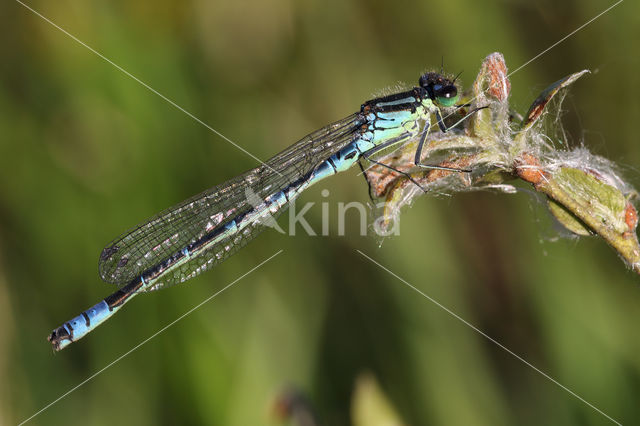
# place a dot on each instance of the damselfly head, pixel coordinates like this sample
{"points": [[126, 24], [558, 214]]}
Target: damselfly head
{"points": [[439, 88]]}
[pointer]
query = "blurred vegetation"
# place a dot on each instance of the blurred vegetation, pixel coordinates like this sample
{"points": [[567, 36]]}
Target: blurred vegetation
{"points": [[86, 152]]}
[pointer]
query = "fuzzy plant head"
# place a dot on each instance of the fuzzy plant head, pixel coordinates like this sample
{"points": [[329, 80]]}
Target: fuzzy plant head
{"points": [[584, 192]]}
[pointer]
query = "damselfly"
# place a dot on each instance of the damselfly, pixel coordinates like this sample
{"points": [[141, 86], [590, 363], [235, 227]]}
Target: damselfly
{"points": [[198, 233]]}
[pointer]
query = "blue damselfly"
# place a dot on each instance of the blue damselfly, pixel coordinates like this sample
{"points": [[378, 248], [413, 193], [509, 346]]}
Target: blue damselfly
{"points": [[204, 230]]}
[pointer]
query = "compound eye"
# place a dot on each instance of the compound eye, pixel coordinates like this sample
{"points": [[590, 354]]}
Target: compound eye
{"points": [[446, 95]]}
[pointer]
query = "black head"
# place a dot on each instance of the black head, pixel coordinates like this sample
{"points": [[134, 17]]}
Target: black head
{"points": [[439, 88]]}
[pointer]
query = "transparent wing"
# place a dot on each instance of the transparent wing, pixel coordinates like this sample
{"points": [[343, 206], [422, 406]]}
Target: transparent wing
{"points": [[160, 237]]}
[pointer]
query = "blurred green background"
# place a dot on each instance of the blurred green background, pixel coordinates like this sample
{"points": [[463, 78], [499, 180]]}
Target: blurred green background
{"points": [[86, 153]]}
